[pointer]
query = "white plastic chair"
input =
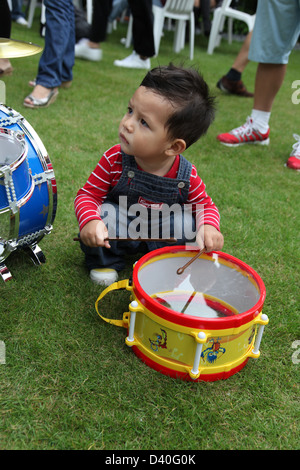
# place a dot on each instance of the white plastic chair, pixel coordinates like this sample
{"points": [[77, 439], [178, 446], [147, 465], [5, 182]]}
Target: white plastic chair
{"points": [[179, 10], [220, 14], [32, 7], [89, 11]]}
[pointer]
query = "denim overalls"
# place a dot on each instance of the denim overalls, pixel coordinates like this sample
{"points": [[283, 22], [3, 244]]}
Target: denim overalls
{"points": [[136, 188]]}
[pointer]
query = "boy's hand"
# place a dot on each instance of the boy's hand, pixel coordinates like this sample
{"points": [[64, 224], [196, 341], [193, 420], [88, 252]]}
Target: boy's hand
{"points": [[210, 238], [94, 233]]}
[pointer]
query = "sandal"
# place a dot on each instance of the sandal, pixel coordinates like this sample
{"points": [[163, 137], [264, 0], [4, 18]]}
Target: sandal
{"points": [[41, 102], [7, 71]]}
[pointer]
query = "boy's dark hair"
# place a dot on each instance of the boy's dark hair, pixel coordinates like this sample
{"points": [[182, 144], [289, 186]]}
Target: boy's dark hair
{"points": [[194, 108]]}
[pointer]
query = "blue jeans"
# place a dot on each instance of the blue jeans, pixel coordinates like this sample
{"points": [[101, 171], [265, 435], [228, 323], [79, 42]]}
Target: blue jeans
{"points": [[17, 9], [57, 59]]}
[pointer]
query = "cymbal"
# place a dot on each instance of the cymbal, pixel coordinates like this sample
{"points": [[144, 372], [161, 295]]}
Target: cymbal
{"points": [[11, 48]]}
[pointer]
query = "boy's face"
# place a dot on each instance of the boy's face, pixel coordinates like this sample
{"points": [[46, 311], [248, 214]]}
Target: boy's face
{"points": [[142, 130]]}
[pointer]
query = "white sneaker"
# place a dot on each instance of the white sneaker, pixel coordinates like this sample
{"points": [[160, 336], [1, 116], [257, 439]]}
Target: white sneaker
{"points": [[103, 276], [83, 51], [133, 61], [22, 21]]}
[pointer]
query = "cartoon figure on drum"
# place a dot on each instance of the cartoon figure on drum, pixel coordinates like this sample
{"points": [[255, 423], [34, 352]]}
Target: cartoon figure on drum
{"points": [[143, 187]]}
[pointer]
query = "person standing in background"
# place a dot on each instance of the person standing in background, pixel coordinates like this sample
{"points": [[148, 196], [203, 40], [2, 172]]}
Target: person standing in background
{"points": [[57, 60]]}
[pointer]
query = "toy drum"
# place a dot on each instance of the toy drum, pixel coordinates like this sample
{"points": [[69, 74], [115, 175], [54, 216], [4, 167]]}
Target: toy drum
{"points": [[201, 325], [28, 196]]}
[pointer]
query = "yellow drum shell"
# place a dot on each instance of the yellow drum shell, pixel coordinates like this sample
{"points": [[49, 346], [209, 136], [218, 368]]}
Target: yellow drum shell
{"points": [[191, 347]]}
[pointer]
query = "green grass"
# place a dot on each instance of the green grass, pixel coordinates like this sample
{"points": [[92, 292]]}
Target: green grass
{"points": [[69, 381]]}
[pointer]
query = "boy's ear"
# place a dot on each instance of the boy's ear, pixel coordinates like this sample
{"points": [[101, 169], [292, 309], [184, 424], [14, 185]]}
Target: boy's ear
{"points": [[176, 147]]}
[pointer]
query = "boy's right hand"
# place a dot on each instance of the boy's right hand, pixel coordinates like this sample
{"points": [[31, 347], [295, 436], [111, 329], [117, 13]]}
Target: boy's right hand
{"points": [[94, 233]]}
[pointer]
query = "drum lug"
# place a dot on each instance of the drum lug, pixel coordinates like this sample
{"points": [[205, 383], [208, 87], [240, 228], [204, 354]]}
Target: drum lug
{"points": [[35, 254], [201, 339], [5, 273], [263, 320], [133, 307]]}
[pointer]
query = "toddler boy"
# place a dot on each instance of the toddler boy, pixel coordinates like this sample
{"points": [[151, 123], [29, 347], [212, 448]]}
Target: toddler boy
{"points": [[146, 174]]}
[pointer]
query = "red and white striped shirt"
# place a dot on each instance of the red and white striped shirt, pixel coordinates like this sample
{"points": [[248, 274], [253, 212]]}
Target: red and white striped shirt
{"points": [[107, 174]]}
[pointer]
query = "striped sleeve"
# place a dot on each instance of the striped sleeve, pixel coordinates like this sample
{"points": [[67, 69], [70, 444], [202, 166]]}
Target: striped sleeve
{"points": [[204, 208], [91, 196]]}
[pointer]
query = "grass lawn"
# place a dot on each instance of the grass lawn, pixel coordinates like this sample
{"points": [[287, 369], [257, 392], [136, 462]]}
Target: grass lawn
{"points": [[69, 381]]}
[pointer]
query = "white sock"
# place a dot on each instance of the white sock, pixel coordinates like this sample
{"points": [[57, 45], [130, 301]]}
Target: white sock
{"points": [[260, 120]]}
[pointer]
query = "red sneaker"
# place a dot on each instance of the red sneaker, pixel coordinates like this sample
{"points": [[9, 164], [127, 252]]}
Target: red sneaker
{"points": [[294, 158], [245, 134]]}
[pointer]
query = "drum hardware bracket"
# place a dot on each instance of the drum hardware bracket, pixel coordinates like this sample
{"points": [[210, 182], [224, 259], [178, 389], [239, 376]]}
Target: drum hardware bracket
{"points": [[10, 189], [9, 120], [35, 253], [11, 245], [31, 238], [43, 177]]}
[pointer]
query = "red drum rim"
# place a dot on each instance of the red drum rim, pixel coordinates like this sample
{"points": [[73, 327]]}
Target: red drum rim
{"points": [[233, 321]]}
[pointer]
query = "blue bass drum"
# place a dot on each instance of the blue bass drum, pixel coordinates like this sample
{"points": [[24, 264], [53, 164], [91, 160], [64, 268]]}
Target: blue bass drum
{"points": [[28, 193]]}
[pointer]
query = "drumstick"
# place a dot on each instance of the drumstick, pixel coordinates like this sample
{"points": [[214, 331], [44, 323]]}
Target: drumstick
{"points": [[188, 301], [180, 270], [169, 240]]}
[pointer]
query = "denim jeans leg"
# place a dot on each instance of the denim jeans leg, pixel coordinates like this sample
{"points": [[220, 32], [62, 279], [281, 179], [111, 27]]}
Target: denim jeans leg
{"points": [[101, 257], [69, 56], [59, 44]]}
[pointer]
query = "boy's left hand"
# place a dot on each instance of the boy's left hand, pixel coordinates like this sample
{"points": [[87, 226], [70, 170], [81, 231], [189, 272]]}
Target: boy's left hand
{"points": [[210, 238]]}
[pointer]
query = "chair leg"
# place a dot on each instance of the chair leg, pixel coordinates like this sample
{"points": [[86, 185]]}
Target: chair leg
{"points": [[129, 33], [31, 12], [158, 24], [179, 35], [89, 11], [192, 36], [230, 29], [213, 37]]}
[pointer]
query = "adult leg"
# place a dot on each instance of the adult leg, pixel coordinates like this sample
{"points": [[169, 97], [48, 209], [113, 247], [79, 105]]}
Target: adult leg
{"points": [[232, 82], [58, 53], [276, 30], [90, 48], [241, 60], [142, 32], [59, 30], [5, 30], [5, 19], [142, 28], [269, 78]]}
